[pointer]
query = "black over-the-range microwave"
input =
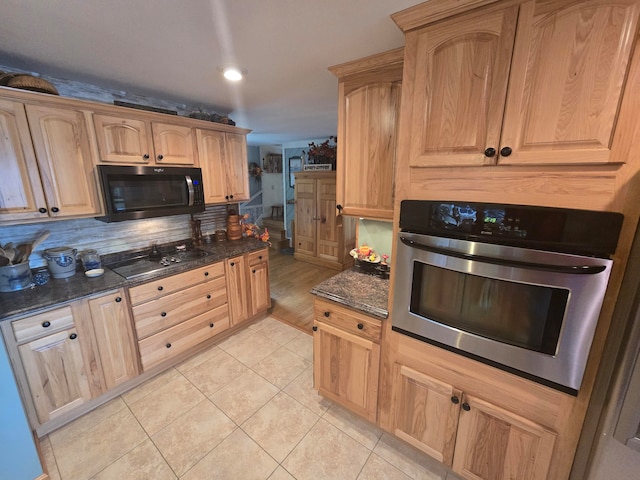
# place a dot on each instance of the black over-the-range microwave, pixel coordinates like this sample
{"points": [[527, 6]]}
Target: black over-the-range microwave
{"points": [[135, 192]]}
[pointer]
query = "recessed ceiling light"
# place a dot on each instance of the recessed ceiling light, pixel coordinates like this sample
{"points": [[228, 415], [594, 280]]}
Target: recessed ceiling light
{"points": [[233, 74]]}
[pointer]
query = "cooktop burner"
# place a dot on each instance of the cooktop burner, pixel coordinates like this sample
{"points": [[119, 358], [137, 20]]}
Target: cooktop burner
{"points": [[144, 265]]}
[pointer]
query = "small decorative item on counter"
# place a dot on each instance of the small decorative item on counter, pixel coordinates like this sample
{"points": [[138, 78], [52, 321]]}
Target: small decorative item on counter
{"points": [[41, 276], [234, 227], [252, 230], [365, 254], [221, 235], [61, 261], [90, 259]]}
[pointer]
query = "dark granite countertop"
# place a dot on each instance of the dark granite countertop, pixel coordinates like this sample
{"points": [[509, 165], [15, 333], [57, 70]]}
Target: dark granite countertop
{"points": [[58, 291], [366, 293]]}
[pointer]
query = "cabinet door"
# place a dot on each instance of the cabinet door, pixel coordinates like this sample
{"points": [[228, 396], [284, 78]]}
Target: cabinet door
{"points": [[569, 68], [460, 71], [346, 369], [305, 216], [236, 167], [426, 413], [371, 117], [237, 289], [211, 154], [61, 142], [21, 194], [329, 231], [259, 287], [493, 443], [56, 373], [114, 338], [173, 144], [123, 140]]}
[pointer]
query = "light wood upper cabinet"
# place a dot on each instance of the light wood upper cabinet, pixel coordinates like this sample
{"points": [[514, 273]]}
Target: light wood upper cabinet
{"points": [[536, 83], [223, 159], [131, 141], [368, 109]]}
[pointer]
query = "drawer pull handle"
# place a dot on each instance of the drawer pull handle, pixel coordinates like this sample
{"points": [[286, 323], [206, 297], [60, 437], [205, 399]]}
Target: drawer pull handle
{"points": [[327, 314], [211, 325], [160, 288], [206, 274], [315, 329], [208, 296], [168, 345], [259, 257], [73, 336], [163, 314], [466, 407], [118, 299], [46, 324], [360, 326]]}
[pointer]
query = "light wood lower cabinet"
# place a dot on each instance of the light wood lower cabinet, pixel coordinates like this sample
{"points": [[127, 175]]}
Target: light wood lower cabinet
{"points": [[477, 439], [346, 357], [173, 314], [248, 285], [67, 356]]}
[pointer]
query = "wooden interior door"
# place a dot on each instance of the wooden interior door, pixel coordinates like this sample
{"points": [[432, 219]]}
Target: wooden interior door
{"points": [[460, 70], [306, 225], [493, 443], [569, 68], [426, 412]]}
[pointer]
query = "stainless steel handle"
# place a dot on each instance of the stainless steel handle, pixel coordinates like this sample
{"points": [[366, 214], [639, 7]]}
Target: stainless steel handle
{"points": [[573, 269], [192, 193]]}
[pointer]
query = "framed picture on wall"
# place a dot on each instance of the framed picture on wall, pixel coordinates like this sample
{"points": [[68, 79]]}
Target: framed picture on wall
{"points": [[295, 165]]}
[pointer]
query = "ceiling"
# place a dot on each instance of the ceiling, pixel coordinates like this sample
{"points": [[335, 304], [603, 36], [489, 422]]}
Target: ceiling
{"points": [[172, 49]]}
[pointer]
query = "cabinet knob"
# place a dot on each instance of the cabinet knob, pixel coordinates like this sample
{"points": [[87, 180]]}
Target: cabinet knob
{"points": [[73, 336], [253, 271], [455, 400], [490, 152], [326, 314], [232, 264], [42, 210], [360, 326], [226, 197], [506, 151], [231, 197], [118, 299], [46, 324], [163, 314], [160, 288], [211, 325], [168, 345], [55, 209], [208, 296], [160, 157], [466, 407], [145, 156], [206, 274], [314, 328], [259, 257], [339, 207]]}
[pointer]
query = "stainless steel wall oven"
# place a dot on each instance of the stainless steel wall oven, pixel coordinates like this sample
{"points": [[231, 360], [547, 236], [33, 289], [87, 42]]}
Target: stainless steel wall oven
{"points": [[517, 287]]}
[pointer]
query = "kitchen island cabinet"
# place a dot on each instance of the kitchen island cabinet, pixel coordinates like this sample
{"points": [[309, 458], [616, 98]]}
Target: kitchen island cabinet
{"points": [[131, 141], [529, 83], [47, 163]]}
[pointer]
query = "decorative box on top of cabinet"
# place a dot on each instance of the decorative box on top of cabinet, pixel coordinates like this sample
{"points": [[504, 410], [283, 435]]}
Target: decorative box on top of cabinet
{"points": [[131, 140], [47, 164], [322, 236], [532, 82], [368, 109], [67, 356]]}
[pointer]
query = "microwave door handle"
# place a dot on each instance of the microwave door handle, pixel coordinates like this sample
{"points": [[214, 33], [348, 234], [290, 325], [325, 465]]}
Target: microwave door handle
{"points": [[571, 269], [192, 193]]}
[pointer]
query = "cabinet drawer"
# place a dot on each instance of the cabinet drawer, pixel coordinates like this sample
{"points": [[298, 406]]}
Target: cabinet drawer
{"points": [[157, 288], [258, 257], [180, 338], [43, 324], [347, 320], [159, 314]]}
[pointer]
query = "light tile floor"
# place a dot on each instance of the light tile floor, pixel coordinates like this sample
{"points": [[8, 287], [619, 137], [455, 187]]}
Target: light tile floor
{"points": [[243, 409]]}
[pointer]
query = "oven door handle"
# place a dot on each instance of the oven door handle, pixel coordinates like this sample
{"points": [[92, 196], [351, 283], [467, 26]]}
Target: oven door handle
{"points": [[571, 269], [192, 193]]}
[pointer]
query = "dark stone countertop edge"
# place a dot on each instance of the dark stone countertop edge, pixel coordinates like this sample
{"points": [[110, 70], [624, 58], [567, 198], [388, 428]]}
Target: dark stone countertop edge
{"points": [[58, 292], [365, 293]]}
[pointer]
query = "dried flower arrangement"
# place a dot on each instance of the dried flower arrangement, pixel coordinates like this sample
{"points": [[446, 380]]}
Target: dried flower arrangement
{"points": [[325, 150]]}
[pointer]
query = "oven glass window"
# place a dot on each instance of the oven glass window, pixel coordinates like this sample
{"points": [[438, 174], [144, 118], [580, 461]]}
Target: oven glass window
{"points": [[130, 193], [528, 316]]}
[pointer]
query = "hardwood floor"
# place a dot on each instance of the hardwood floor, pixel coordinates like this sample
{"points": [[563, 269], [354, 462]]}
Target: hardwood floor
{"points": [[291, 281]]}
